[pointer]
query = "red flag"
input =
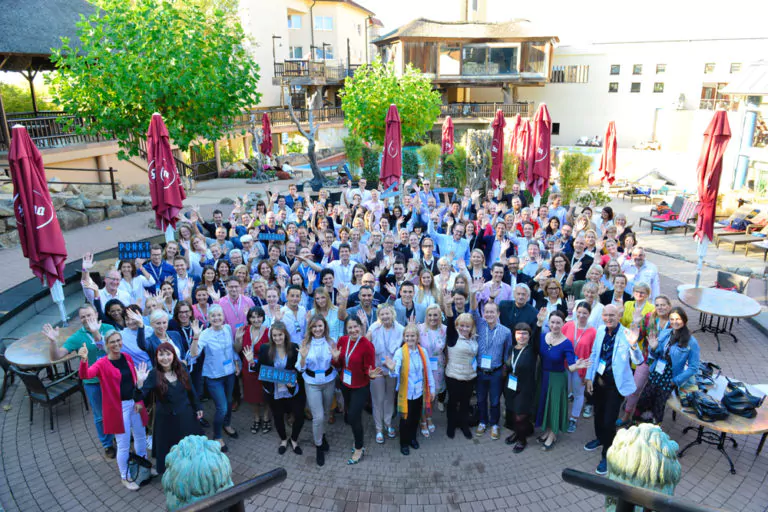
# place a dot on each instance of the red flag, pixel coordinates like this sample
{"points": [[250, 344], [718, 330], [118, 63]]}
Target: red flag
{"points": [[539, 160], [165, 186], [608, 160], [497, 149], [266, 144], [392, 162], [447, 139], [39, 231], [709, 170], [523, 150]]}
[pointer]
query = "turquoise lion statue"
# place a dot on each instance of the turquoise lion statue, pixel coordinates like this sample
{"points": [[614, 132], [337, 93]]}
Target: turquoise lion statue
{"points": [[643, 456], [195, 469]]}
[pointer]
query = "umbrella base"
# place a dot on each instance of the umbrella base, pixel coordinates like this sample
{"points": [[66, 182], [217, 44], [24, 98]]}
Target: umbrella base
{"points": [[316, 184]]}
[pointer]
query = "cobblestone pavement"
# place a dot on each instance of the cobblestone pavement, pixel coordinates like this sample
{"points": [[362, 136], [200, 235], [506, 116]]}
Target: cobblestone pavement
{"points": [[65, 470]]}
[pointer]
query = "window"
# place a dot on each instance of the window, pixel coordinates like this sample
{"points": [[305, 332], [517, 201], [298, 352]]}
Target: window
{"points": [[570, 74], [323, 23], [658, 87], [295, 52], [735, 67], [709, 67], [637, 69], [450, 59], [328, 52], [635, 87], [661, 68], [555, 128], [294, 21], [502, 61], [613, 87], [533, 58], [474, 5], [422, 56], [615, 69]]}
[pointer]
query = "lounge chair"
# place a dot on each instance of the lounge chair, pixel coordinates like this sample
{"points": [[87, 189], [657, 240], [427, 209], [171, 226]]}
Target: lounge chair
{"points": [[677, 205], [683, 220], [746, 239], [760, 246]]}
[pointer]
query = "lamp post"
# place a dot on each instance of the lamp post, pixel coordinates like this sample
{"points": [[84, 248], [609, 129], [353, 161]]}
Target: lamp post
{"points": [[274, 57]]}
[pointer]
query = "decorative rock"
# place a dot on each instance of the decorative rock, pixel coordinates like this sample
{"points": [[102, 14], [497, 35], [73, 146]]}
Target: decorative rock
{"points": [[144, 207], [11, 223], [71, 219], [6, 209], [59, 201], [2, 226], [76, 203], [139, 189], [95, 215], [135, 200], [130, 209], [114, 212], [73, 189], [114, 202], [95, 202], [55, 185], [227, 200], [9, 239]]}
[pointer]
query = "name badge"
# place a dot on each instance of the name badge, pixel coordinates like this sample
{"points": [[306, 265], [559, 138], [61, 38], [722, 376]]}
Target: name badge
{"points": [[485, 362], [601, 367], [660, 367], [347, 378], [433, 364], [229, 366], [512, 383], [237, 326]]}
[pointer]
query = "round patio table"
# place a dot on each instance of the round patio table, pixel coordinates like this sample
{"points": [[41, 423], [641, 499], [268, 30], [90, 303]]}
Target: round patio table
{"points": [[716, 433], [31, 351], [719, 304]]}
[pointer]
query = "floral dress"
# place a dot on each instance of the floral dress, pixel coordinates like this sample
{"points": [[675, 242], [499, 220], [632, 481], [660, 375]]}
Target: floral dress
{"points": [[433, 342]]}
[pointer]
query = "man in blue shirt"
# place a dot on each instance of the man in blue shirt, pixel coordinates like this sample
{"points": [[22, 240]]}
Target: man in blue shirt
{"points": [[158, 268], [556, 209], [453, 246]]}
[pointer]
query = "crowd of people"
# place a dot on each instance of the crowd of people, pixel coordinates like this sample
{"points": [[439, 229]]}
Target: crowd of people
{"points": [[407, 307]]}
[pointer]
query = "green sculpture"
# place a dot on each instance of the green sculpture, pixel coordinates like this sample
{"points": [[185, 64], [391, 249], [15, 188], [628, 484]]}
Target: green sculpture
{"points": [[643, 456], [195, 469]]}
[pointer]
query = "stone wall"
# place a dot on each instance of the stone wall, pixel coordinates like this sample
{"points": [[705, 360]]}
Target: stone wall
{"points": [[78, 206]]}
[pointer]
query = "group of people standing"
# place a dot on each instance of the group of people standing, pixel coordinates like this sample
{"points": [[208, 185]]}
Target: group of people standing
{"points": [[407, 309]]}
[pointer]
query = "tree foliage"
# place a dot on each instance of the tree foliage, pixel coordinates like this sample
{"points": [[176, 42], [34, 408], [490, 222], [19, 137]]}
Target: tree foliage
{"points": [[454, 168], [366, 97], [574, 174], [371, 165], [430, 155], [353, 146], [185, 60], [18, 99]]}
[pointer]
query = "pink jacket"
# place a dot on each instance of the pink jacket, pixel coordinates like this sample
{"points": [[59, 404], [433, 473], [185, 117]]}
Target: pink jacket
{"points": [[109, 380]]}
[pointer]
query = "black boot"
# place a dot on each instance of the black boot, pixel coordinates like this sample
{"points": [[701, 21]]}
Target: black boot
{"points": [[319, 456], [325, 446]]}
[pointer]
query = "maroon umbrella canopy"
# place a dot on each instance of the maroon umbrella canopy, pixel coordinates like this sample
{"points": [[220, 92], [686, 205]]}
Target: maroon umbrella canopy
{"points": [[523, 150], [497, 149], [515, 133], [447, 139], [538, 175], [165, 186], [608, 159], [266, 144], [709, 170], [392, 162], [39, 231]]}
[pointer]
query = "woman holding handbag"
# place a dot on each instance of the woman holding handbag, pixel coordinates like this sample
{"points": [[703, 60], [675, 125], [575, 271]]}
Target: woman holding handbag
{"points": [[122, 409], [177, 409]]}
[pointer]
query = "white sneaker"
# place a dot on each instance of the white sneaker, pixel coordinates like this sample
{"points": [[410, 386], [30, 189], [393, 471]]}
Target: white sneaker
{"points": [[587, 411], [149, 443], [131, 486], [391, 432], [440, 406], [379, 438]]}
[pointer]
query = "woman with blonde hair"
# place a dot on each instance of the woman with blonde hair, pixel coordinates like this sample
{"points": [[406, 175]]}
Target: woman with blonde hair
{"points": [[427, 292], [241, 273], [415, 386], [432, 338], [460, 367], [446, 276], [550, 297], [323, 307], [387, 336]]}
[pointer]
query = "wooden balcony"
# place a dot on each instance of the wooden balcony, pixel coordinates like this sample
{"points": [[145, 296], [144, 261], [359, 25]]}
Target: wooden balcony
{"points": [[308, 72], [485, 111], [47, 130]]}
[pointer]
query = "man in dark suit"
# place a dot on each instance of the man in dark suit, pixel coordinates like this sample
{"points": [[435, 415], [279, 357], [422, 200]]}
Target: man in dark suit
{"points": [[519, 310], [512, 274], [428, 258], [183, 283], [579, 256], [218, 221]]}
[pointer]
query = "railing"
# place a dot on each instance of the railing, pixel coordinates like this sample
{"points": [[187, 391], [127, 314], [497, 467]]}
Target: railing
{"points": [[485, 110], [570, 74], [47, 131], [628, 496], [714, 104], [313, 69], [186, 171], [7, 177], [233, 499]]}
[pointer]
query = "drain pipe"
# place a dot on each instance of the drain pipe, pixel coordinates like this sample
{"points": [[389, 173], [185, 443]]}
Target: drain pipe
{"points": [[312, 29]]}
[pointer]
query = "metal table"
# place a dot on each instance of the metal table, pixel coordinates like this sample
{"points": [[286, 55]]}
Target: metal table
{"points": [[724, 305]]}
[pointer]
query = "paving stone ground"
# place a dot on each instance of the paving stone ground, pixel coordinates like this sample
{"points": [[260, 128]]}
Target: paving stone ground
{"points": [[65, 470]]}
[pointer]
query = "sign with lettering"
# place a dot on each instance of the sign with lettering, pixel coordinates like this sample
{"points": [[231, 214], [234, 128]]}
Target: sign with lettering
{"points": [[445, 190], [277, 375], [387, 195], [133, 250], [272, 237]]}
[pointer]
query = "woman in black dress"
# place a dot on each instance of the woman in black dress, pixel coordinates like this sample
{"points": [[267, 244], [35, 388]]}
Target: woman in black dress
{"points": [[177, 410], [520, 387]]}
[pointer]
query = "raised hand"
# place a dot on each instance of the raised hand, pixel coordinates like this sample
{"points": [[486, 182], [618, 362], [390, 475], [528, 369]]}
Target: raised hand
{"points": [[93, 326], [653, 340], [571, 302], [215, 296], [50, 332], [83, 352], [363, 318], [248, 354], [303, 351], [412, 319], [140, 262], [88, 261], [142, 372], [576, 268], [311, 276], [633, 335], [335, 352], [343, 291], [542, 316], [392, 289], [133, 315]]}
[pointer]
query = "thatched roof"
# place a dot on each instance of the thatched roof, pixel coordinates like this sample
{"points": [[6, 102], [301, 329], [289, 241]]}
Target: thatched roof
{"points": [[518, 29], [30, 28]]}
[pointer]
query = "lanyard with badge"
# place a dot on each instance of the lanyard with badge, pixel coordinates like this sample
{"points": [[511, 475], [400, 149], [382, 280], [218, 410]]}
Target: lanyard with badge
{"points": [[487, 360], [433, 360], [237, 312], [512, 379], [577, 337], [347, 377]]}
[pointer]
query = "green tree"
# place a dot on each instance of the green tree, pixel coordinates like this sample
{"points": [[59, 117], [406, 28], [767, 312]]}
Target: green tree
{"points": [[371, 165], [353, 146], [455, 168], [18, 99], [366, 97], [410, 165], [574, 174], [186, 60], [430, 155]]}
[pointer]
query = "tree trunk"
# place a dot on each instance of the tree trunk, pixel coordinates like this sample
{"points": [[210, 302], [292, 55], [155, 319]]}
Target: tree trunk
{"points": [[318, 180]]}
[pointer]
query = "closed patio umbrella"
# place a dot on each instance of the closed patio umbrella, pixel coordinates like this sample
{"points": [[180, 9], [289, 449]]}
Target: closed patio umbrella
{"points": [[446, 145], [42, 242], [266, 144], [608, 159], [392, 162], [497, 149], [540, 157], [165, 187], [513, 136], [709, 170], [522, 150]]}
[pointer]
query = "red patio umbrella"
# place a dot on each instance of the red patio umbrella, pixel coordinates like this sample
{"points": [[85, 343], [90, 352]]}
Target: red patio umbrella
{"points": [[165, 186], [392, 162], [540, 157], [497, 149], [447, 139], [39, 231], [266, 144], [513, 137], [608, 160], [523, 150]]}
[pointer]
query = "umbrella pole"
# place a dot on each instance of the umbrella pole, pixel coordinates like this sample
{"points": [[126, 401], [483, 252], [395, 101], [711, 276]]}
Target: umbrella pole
{"points": [[537, 200], [57, 294], [701, 252]]}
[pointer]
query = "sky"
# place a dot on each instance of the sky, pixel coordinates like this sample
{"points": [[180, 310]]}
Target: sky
{"points": [[578, 22]]}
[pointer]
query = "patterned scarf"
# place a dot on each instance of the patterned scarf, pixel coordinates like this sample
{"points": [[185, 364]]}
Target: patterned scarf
{"points": [[402, 393]]}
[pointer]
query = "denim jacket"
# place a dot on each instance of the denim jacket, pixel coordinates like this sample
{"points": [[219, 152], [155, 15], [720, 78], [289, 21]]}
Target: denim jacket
{"points": [[679, 357]]}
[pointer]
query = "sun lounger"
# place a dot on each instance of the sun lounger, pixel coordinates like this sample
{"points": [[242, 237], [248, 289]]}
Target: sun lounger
{"points": [[761, 246], [687, 213], [677, 205], [746, 239]]}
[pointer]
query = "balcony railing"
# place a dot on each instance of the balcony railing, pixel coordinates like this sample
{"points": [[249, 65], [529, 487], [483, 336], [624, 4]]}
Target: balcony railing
{"points": [[313, 69], [485, 110], [714, 104], [47, 131]]}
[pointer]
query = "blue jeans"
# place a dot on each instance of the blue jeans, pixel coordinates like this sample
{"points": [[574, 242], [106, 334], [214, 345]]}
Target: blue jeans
{"points": [[489, 383], [93, 392], [221, 392]]}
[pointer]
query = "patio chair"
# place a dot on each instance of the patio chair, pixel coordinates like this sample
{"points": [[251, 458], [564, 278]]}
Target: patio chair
{"points": [[677, 205], [727, 281], [8, 376], [49, 394], [747, 238], [683, 220], [760, 246]]}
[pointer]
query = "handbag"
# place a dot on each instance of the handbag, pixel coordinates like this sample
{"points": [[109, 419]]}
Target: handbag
{"points": [[139, 469], [705, 407], [739, 401]]}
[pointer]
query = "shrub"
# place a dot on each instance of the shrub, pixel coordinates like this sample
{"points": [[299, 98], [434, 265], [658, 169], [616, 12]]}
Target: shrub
{"points": [[455, 168], [294, 146], [371, 166], [509, 170], [430, 155], [353, 146], [595, 195], [410, 165], [574, 174]]}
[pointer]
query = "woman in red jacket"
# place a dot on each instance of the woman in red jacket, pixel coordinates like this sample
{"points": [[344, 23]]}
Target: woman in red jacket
{"points": [[583, 338], [355, 358], [122, 408]]}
